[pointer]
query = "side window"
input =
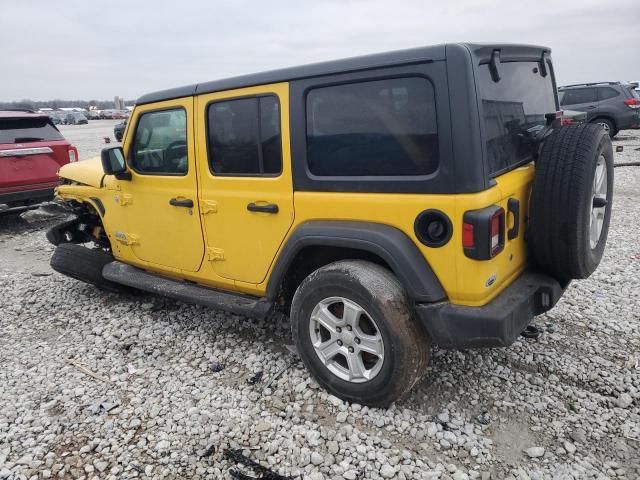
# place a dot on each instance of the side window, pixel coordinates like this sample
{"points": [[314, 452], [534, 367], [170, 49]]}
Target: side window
{"points": [[576, 96], [604, 93], [160, 143], [244, 136], [374, 128]]}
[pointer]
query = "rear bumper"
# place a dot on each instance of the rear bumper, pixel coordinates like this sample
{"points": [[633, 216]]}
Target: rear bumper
{"points": [[629, 121], [27, 196], [496, 324]]}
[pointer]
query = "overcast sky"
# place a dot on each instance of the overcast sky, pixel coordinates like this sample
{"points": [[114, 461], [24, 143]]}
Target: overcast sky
{"points": [[95, 49]]}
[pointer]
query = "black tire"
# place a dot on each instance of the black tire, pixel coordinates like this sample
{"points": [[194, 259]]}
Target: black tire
{"points": [[561, 201], [84, 264], [608, 125], [378, 291]]}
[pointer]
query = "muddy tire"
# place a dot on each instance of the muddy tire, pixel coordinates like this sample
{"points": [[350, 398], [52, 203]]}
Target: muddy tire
{"points": [[84, 264], [571, 201], [355, 330]]}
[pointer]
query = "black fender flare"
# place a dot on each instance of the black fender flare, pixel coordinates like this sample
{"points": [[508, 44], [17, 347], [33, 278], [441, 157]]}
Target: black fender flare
{"points": [[389, 243]]}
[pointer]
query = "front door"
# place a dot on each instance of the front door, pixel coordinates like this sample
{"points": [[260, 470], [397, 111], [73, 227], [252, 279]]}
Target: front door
{"points": [[160, 202], [246, 195]]}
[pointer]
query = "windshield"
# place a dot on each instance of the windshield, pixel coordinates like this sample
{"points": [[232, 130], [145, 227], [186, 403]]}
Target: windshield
{"points": [[513, 111], [34, 129]]}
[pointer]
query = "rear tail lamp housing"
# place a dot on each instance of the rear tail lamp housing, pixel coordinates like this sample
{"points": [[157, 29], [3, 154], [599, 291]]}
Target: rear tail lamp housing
{"points": [[632, 103], [483, 232], [73, 154]]}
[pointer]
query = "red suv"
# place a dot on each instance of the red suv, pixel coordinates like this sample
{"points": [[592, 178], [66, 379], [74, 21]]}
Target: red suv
{"points": [[32, 150]]}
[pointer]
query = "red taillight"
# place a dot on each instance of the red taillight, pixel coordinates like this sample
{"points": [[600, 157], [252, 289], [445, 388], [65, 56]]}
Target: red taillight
{"points": [[483, 232], [567, 121], [73, 155], [632, 103], [467, 236]]}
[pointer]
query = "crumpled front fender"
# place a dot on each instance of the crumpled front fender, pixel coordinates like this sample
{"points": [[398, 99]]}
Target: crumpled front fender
{"points": [[87, 172]]}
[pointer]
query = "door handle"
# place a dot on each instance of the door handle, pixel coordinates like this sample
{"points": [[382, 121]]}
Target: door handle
{"points": [[181, 203], [590, 107], [268, 208]]}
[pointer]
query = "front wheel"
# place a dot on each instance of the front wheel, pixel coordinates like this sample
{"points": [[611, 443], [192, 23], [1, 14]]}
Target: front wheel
{"points": [[355, 331]]}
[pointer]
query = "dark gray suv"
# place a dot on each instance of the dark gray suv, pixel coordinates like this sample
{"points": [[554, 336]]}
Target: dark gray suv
{"points": [[613, 105]]}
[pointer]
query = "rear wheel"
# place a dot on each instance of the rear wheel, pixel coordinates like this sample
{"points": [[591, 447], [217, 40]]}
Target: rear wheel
{"points": [[607, 125], [571, 201], [354, 329]]}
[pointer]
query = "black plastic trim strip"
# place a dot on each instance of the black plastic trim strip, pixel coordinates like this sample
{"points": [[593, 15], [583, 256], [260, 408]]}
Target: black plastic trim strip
{"points": [[40, 195], [513, 207], [99, 205], [187, 292]]}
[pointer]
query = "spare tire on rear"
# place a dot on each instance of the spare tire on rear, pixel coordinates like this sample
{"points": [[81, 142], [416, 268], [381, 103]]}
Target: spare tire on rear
{"points": [[571, 201]]}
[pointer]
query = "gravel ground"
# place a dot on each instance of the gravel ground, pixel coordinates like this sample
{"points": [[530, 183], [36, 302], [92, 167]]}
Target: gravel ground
{"points": [[98, 385]]}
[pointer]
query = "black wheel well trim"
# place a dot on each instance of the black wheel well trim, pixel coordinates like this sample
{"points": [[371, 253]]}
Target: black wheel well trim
{"points": [[389, 243], [99, 205]]}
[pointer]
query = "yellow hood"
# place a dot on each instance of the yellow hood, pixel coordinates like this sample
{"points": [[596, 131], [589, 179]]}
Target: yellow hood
{"points": [[87, 172]]}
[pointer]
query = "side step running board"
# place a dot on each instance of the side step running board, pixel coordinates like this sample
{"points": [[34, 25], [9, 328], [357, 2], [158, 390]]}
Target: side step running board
{"points": [[187, 292]]}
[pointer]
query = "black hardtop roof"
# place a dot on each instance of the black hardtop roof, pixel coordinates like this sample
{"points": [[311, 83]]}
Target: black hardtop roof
{"points": [[366, 62]]}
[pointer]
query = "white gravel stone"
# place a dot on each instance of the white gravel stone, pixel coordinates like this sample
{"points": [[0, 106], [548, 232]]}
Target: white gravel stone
{"points": [[624, 400], [342, 417], [387, 471], [316, 458], [535, 452], [569, 447]]}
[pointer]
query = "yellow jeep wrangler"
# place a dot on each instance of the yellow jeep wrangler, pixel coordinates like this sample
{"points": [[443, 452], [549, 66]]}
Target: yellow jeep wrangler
{"points": [[387, 202]]}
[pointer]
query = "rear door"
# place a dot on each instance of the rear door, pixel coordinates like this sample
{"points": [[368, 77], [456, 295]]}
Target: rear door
{"points": [[32, 150], [246, 192], [581, 99]]}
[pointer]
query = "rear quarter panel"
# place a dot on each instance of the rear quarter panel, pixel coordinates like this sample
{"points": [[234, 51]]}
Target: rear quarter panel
{"points": [[465, 281]]}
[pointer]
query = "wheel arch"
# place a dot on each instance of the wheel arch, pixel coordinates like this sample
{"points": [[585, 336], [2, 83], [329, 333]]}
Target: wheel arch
{"points": [[605, 116], [317, 243], [89, 211]]}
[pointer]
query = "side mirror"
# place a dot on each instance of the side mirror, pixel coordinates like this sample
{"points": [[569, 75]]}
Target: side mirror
{"points": [[113, 163]]}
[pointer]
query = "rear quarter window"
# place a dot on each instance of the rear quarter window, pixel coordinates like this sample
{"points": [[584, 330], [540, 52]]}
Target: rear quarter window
{"points": [[606, 93], [28, 129], [372, 129]]}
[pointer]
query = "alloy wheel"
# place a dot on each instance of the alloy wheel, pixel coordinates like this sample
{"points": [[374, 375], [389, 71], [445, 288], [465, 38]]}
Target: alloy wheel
{"points": [[346, 339]]}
